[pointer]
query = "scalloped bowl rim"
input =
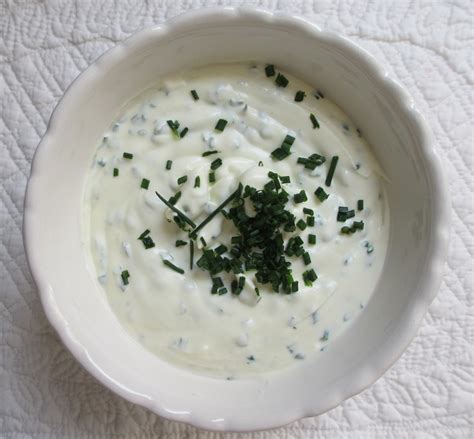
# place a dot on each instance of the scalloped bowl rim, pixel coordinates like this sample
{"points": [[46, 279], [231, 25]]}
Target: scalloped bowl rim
{"points": [[427, 289]]}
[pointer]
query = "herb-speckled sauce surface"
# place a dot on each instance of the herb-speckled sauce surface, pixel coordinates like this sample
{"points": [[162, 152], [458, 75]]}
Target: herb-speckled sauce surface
{"points": [[174, 314]]}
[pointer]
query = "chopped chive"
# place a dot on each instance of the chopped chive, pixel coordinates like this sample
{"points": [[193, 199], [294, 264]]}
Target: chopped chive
{"points": [[309, 277], [294, 287], [285, 179], [280, 154], [212, 177], [182, 179], [358, 225], [180, 243], [306, 258], [321, 194], [173, 267], [169, 163], [127, 155], [300, 95], [350, 214], [284, 150], [145, 184], [301, 224], [194, 95], [125, 275], [220, 125], [281, 80], [260, 163], [145, 233], [197, 181], [314, 121], [216, 164], [360, 204], [147, 242], [176, 210], [221, 249], [310, 221], [203, 241], [183, 132], [206, 153], [233, 195], [236, 239], [270, 70], [308, 211], [191, 254], [174, 127], [311, 239], [346, 230], [174, 199], [332, 168], [342, 213], [116, 172], [300, 197]]}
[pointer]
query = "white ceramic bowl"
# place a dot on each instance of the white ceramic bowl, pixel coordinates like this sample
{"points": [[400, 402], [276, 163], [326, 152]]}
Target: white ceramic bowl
{"points": [[417, 195]]}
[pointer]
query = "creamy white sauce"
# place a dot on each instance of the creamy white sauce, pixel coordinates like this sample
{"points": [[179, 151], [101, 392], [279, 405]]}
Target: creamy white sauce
{"points": [[174, 315]]}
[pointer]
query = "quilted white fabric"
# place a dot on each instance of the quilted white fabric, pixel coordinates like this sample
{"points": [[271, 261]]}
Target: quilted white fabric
{"points": [[427, 45]]}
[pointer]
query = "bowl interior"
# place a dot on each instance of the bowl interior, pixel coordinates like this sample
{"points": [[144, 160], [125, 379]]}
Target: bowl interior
{"points": [[78, 308]]}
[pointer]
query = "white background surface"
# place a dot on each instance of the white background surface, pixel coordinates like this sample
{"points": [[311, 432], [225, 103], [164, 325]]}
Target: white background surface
{"points": [[428, 46]]}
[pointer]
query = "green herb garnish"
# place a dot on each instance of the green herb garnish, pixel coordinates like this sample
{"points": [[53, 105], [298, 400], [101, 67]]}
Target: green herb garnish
{"points": [[314, 121], [284, 150], [173, 267], [197, 181], [309, 277], [206, 153], [174, 199], [332, 168], [191, 254], [220, 125], [127, 155], [212, 177], [145, 233], [300, 95], [321, 194], [180, 243], [312, 161], [360, 204], [194, 95], [270, 70], [311, 239], [125, 275], [310, 221], [174, 125], [145, 183], [169, 163], [301, 224], [116, 172], [306, 258], [182, 179], [300, 197], [183, 132], [281, 80], [216, 164]]}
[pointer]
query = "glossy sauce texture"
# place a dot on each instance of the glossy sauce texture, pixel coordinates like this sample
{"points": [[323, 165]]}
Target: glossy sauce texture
{"points": [[174, 315]]}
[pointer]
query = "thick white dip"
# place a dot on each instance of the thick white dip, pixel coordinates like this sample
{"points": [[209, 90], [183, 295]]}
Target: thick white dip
{"points": [[175, 315]]}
